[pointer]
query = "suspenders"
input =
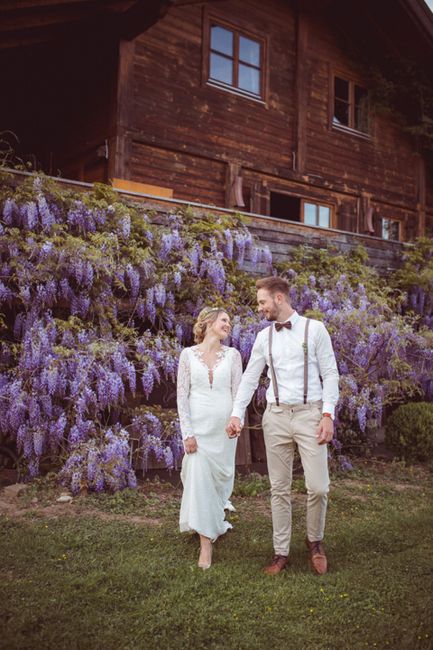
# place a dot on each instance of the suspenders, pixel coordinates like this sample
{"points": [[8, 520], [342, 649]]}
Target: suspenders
{"points": [[271, 363], [305, 347]]}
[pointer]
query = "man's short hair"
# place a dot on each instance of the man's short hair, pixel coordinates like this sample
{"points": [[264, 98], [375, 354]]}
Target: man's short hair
{"points": [[274, 285]]}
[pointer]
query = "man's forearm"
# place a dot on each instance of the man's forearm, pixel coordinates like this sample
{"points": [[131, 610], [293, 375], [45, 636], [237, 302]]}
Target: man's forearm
{"points": [[248, 385]]}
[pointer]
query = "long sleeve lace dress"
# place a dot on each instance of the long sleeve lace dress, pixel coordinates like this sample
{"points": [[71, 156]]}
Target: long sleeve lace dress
{"points": [[204, 401]]}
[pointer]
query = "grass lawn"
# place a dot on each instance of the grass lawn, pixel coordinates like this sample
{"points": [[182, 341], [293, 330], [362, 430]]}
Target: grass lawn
{"points": [[112, 572]]}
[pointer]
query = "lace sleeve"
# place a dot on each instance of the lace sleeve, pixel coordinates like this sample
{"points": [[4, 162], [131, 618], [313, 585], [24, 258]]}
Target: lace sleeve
{"points": [[183, 388], [236, 372]]}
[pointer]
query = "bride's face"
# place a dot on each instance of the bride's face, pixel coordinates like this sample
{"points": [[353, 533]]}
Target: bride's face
{"points": [[220, 327]]}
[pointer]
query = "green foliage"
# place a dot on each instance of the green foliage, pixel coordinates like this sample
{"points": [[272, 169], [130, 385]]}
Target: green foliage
{"points": [[251, 485], [417, 268], [409, 431], [329, 264]]}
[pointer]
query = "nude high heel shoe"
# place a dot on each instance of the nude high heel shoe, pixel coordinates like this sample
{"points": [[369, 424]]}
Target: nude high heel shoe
{"points": [[205, 559]]}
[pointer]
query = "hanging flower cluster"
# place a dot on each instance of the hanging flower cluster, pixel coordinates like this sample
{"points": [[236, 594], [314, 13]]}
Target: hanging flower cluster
{"points": [[381, 357], [96, 300], [415, 282], [99, 464]]}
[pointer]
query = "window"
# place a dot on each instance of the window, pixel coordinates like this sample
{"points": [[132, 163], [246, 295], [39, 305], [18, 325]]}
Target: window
{"points": [[315, 214], [390, 229], [285, 206], [350, 105], [235, 61]]}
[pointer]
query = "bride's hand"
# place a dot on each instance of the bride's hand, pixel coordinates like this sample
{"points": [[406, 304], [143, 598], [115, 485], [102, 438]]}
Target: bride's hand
{"points": [[234, 427], [190, 445]]}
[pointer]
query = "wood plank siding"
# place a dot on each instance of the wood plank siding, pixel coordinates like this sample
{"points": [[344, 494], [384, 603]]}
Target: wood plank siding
{"points": [[194, 177], [188, 135], [175, 109], [120, 90]]}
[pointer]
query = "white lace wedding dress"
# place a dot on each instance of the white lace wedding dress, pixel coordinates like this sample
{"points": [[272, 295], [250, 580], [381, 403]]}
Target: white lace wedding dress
{"points": [[204, 401]]}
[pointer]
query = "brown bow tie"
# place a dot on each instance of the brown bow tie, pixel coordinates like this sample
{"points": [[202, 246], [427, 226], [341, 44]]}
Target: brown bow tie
{"points": [[279, 326]]}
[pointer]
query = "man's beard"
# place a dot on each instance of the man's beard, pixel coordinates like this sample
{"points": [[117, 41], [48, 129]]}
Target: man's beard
{"points": [[274, 313]]}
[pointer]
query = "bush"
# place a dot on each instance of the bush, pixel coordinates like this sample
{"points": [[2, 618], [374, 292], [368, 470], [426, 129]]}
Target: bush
{"points": [[409, 431], [97, 298]]}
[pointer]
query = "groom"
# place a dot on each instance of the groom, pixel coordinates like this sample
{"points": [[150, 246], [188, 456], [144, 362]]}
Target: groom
{"points": [[301, 400]]}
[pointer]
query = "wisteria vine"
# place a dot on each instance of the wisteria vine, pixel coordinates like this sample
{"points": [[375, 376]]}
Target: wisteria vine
{"points": [[97, 297]]}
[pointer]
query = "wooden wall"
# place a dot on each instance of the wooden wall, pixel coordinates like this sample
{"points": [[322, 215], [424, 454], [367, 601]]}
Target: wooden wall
{"points": [[183, 134], [174, 110], [195, 178]]}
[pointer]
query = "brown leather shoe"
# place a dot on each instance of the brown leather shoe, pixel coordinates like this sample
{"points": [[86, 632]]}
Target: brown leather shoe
{"points": [[278, 563], [318, 560]]}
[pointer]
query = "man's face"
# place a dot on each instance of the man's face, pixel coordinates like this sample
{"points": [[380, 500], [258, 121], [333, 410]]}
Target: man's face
{"points": [[268, 305]]}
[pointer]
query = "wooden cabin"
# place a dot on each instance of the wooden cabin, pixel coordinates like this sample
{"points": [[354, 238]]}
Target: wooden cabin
{"points": [[262, 107]]}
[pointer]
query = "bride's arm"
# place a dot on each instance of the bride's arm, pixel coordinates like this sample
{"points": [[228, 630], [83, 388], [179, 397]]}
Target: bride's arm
{"points": [[236, 372], [183, 388]]}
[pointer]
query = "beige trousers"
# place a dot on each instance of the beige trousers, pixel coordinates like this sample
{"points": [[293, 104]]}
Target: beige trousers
{"points": [[284, 427]]}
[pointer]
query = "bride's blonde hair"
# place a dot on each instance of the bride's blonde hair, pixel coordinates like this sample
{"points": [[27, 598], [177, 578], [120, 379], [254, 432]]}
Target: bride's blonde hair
{"points": [[206, 317]]}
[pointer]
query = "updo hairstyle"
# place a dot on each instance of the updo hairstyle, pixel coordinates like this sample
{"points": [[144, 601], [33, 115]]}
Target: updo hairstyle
{"points": [[206, 317]]}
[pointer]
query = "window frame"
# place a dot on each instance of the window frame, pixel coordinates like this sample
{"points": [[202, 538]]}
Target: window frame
{"points": [[400, 225], [318, 203], [302, 200], [212, 19], [350, 128]]}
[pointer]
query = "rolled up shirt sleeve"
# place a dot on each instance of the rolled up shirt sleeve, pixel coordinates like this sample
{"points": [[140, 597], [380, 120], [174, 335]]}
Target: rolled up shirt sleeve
{"points": [[328, 369], [250, 380]]}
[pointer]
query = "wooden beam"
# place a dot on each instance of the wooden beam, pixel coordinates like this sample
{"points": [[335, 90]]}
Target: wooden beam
{"points": [[421, 198], [301, 90], [142, 188], [32, 22], [119, 165], [142, 15], [183, 3]]}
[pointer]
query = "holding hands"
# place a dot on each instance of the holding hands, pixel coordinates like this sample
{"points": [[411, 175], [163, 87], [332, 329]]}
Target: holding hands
{"points": [[190, 445], [234, 427]]}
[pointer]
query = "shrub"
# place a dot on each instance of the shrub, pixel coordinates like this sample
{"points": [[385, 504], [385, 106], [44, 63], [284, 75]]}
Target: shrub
{"points": [[409, 431]]}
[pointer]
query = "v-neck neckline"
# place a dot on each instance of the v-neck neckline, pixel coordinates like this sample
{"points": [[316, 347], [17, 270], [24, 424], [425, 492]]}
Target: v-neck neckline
{"points": [[220, 355]]}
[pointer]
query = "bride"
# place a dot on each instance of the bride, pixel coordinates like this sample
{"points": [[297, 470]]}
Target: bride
{"points": [[208, 378]]}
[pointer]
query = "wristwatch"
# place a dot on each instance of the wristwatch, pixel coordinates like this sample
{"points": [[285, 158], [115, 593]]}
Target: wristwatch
{"points": [[328, 415]]}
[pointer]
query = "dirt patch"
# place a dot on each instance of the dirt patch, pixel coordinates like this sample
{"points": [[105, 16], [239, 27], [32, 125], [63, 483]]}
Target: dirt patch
{"points": [[57, 511], [12, 505], [403, 487]]}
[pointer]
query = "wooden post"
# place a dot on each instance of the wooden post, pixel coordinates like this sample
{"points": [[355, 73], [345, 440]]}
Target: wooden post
{"points": [[233, 186], [301, 91], [120, 149], [421, 196], [243, 450]]}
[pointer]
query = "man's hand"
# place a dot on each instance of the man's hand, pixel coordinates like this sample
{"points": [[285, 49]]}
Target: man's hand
{"points": [[325, 431], [234, 427], [190, 445]]}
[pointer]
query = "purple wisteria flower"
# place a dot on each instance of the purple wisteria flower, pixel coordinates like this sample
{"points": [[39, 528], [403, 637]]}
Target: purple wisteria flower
{"points": [[103, 301]]}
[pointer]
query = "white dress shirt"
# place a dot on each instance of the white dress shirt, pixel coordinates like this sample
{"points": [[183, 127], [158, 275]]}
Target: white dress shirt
{"points": [[288, 360]]}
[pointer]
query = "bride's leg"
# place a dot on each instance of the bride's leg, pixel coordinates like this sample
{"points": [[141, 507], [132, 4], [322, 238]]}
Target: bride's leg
{"points": [[205, 559]]}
